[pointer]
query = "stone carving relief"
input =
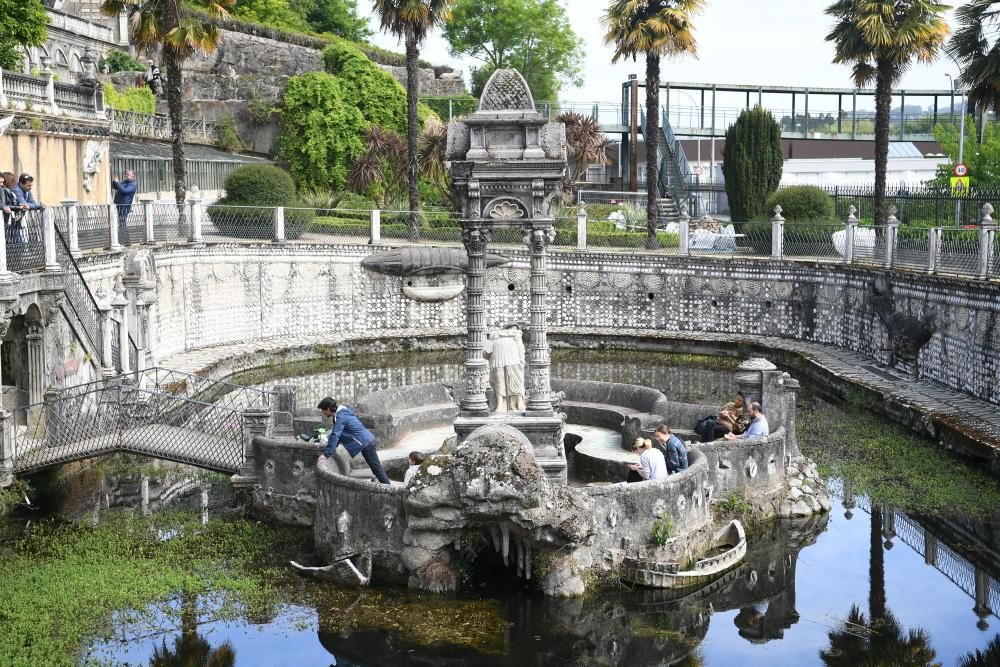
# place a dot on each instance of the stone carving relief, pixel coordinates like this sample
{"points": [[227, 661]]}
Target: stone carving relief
{"points": [[505, 209], [907, 334], [93, 157]]}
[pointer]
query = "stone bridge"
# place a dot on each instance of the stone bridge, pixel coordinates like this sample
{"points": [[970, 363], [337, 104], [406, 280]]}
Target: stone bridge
{"points": [[157, 412]]}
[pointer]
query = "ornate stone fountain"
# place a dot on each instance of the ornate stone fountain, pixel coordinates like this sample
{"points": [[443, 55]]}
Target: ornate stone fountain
{"points": [[507, 166]]}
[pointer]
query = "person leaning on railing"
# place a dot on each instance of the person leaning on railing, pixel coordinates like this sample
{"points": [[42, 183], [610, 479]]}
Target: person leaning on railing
{"points": [[25, 182], [13, 212]]}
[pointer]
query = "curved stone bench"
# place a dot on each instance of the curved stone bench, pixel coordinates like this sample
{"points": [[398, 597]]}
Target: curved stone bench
{"points": [[390, 414]]}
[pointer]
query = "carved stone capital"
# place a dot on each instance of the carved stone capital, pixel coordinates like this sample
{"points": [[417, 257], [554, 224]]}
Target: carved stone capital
{"points": [[476, 238], [537, 238]]}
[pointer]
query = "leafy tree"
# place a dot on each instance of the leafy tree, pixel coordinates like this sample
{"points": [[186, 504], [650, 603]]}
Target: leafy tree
{"points": [[881, 38], [320, 132], [975, 45], [412, 20], [119, 61], [380, 171], [653, 29], [22, 23], [376, 94], [532, 36], [431, 151], [273, 13], [981, 155], [586, 144], [337, 17], [988, 658], [158, 23], [751, 162]]}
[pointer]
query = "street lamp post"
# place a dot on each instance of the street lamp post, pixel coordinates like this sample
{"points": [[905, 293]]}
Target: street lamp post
{"points": [[961, 144]]}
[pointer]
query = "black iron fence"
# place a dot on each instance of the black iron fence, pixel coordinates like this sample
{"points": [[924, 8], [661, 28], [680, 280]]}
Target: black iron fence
{"points": [[918, 206]]}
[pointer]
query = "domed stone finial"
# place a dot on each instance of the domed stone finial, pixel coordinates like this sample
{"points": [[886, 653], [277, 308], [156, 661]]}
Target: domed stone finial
{"points": [[506, 90]]}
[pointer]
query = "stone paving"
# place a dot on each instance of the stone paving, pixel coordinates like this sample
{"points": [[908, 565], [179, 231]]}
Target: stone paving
{"points": [[975, 419]]}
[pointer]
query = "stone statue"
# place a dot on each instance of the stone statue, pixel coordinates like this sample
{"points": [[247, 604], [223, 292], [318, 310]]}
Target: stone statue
{"points": [[93, 156], [506, 351]]}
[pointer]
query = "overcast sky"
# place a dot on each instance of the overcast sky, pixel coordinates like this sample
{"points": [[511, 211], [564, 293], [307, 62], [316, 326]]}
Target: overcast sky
{"points": [[770, 42]]}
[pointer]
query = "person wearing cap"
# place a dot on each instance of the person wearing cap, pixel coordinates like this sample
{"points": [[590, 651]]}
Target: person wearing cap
{"points": [[24, 195]]}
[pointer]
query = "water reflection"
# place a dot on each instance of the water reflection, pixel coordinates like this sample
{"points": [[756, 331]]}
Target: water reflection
{"points": [[190, 649]]}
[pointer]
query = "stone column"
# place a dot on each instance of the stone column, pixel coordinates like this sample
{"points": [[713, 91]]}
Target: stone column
{"points": [[581, 227], [777, 234], [72, 226], [850, 231], [375, 222], [537, 350], [194, 199], [256, 422], [477, 372], [113, 228], [683, 232], [148, 213], [36, 361], [107, 366], [146, 354], [120, 304], [933, 249], [982, 607], [930, 548], [6, 448], [891, 234], [987, 234], [792, 447], [750, 379], [49, 224], [278, 223]]}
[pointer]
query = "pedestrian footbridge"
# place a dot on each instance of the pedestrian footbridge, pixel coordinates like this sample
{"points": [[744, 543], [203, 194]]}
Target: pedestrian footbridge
{"points": [[157, 412]]}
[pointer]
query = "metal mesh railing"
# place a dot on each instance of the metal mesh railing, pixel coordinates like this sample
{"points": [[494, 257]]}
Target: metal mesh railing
{"points": [[79, 299], [869, 245], [93, 226], [912, 249], [219, 392], [124, 417], [226, 223], [619, 235], [959, 253], [169, 221], [25, 240], [813, 241], [328, 225], [131, 224]]}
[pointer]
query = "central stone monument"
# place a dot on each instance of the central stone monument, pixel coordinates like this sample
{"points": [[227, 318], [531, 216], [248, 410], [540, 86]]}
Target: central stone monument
{"points": [[507, 166]]}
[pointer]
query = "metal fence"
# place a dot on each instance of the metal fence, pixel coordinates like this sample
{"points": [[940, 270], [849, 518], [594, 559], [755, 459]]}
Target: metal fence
{"points": [[922, 206], [79, 299], [25, 240], [157, 126]]}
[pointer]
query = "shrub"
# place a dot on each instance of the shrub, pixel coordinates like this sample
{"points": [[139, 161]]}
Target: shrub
{"points": [[250, 190], [229, 138], [662, 531], [801, 203], [459, 106], [321, 133], [119, 61], [752, 162], [140, 100], [376, 94]]}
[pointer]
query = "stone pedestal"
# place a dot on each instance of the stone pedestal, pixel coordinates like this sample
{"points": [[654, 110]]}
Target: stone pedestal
{"points": [[545, 433]]}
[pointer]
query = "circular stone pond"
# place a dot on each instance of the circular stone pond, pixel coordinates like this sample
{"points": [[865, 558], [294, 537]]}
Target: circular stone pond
{"points": [[906, 563]]}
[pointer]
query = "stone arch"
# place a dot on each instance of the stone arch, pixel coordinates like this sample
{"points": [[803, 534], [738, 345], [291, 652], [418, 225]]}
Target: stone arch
{"points": [[75, 64], [60, 59]]}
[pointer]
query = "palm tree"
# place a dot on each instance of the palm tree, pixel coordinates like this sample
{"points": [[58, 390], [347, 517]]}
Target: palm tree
{"points": [[586, 144], [881, 38], [877, 640], [412, 20], [976, 48], [155, 23], [654, 29], [986, 658]]}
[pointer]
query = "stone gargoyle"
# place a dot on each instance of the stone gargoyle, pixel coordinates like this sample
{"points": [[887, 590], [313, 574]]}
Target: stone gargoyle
{"points": [[907, 333], [493, 489]]}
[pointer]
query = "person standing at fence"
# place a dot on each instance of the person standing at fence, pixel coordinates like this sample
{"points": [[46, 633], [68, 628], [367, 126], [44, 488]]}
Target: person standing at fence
{"points": [[12, 212], [124, 195], [27, 202]]}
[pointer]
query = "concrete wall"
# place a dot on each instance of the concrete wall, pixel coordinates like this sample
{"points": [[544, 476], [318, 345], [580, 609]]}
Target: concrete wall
{"points": [[229, 293], [55, 159]]}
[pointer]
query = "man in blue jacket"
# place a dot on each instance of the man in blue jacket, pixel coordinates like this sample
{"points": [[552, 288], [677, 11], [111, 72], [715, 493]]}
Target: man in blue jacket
{"points": [[350, 432], [674, 450], [124, 195]]}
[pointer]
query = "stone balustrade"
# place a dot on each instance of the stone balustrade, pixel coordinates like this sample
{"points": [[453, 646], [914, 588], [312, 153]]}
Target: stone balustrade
{"points": [[23, 92]]}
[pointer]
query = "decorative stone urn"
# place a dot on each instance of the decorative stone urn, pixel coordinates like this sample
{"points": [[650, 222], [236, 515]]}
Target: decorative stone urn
{"points": [[507, 166]]}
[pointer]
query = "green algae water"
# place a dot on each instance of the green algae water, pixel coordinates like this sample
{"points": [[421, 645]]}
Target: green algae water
{"points": [[904, 570]]}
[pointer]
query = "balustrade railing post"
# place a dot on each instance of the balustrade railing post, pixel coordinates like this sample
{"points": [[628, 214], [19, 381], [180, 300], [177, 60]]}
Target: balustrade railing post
{"points": [[72, 226], [194, 199], [3, 91], [891, 234], [777, 234], [50, 92], [278, 222], [684, 233], [375, 221], [104, 310], [49, 223], [850, 231], [581, 227], [115, 246], [987, 236], [53, 418], [933, 248], [147, 218], [256, 422], [124, 353]]}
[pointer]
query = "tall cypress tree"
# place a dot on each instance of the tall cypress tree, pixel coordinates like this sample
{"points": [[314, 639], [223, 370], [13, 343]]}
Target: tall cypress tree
{"points": [[751, 163]]}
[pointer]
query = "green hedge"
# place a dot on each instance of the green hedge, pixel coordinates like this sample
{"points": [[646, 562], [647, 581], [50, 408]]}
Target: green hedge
{"points": [[801, 203], [459, 106], [139, 100]]}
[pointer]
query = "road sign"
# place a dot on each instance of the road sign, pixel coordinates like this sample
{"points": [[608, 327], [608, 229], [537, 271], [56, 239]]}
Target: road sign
{"points": [[959, 185], [697, 170], [960, 170]]}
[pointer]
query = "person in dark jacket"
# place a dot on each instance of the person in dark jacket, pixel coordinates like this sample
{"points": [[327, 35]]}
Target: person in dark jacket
{"points": [[124, 195], [674, 450], [350, 432], [13, 211]]}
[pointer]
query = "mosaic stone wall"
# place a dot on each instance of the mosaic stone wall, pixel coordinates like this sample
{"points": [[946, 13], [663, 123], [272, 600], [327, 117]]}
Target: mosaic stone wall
{"points": [[225, 294]]}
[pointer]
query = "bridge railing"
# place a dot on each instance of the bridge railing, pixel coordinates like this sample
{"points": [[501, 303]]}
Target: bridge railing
{"points": [[159, 413]]}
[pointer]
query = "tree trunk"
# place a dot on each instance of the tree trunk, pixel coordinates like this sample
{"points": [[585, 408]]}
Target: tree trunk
{"points": [[412, 128], [652, 136], [171, 19], [883, 107]]}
